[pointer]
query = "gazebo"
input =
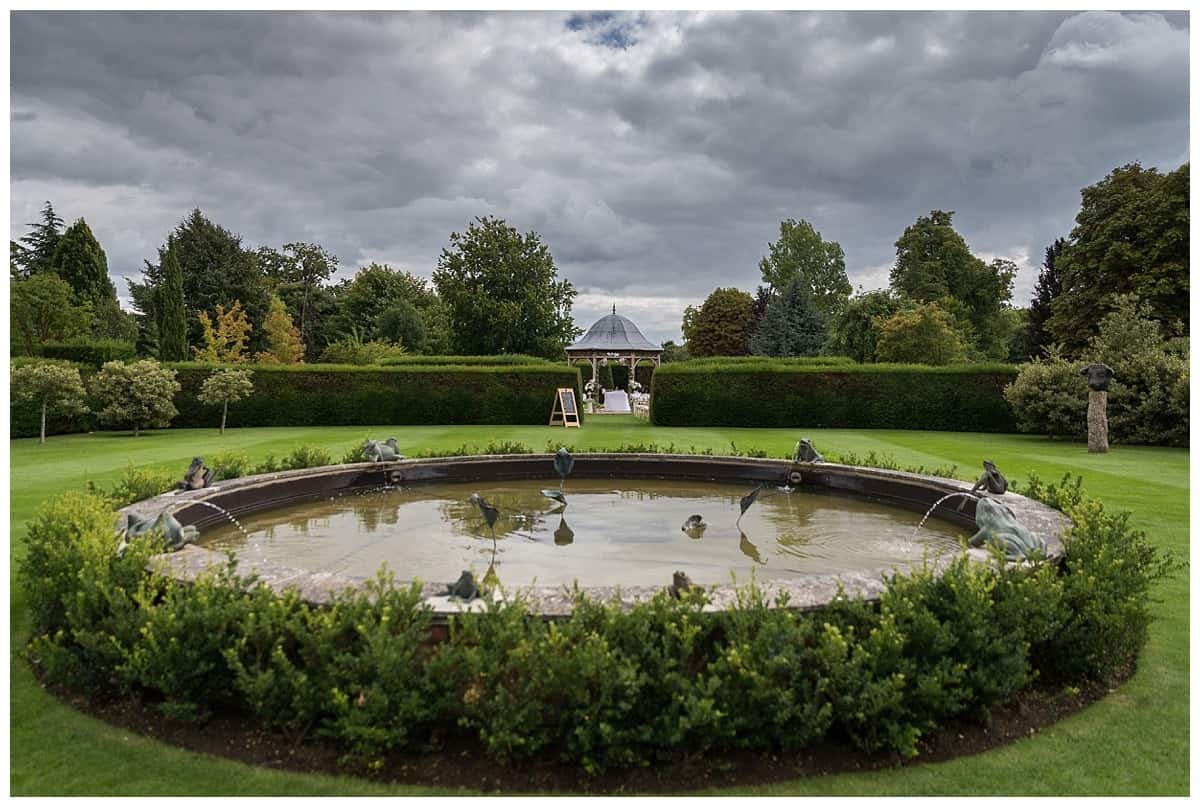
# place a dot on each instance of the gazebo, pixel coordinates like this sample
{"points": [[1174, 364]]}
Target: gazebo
{"points": [[614, 338]]}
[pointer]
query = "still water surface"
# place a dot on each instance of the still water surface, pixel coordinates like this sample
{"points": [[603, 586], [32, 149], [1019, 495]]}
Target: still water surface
{"points": [[612, 532]]}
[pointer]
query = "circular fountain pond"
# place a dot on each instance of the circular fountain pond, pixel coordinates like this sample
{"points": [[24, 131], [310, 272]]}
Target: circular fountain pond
{"points": [[620, 533]]}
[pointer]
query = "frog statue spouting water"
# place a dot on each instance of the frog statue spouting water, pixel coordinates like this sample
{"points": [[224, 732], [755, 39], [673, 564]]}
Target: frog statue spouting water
{"points": [[385, 451], [177, 535], [998, 525]]}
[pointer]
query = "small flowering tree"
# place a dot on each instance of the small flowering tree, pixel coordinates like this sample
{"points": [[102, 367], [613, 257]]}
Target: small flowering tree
{"points": [[224, 387], [57, 387]]}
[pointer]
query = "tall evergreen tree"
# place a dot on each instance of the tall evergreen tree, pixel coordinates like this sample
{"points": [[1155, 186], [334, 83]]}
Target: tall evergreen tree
{"points": [[1048, 287], [172, 316], [80, 260], [35, 252], [792, 325]]}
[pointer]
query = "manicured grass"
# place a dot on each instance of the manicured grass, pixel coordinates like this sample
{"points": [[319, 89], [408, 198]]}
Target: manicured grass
{"points": [[1135, 741]]}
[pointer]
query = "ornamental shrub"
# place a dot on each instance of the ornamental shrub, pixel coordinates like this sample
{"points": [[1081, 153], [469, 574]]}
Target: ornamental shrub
{"points": [[139, 394], [1049, 397]]}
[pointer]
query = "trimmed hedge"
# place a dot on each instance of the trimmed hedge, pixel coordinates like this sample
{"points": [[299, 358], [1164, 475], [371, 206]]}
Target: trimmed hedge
{"points": [[348, 395], [868, 396], [94, 354], [488, 361]]}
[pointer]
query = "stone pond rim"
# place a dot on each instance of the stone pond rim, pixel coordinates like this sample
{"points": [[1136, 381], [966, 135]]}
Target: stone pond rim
{"points": [[252, 494]]}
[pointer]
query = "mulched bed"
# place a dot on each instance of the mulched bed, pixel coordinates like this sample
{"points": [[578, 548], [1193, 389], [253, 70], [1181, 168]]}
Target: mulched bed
{"points": [[462, 764]]}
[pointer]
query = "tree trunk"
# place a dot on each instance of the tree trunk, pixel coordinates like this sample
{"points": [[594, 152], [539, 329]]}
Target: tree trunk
{"points": [[224, 412], [43, 421], [135, 430]]}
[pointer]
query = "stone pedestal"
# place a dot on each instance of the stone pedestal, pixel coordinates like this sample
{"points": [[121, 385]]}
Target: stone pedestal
{"points": [[1097, 422]]}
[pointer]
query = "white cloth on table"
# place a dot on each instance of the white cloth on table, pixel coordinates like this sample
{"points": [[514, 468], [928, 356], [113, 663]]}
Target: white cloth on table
{"points": [[616, 401]]}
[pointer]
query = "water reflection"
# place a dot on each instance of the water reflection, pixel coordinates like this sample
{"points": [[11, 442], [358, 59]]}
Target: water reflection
{"points": [[620, 533]]}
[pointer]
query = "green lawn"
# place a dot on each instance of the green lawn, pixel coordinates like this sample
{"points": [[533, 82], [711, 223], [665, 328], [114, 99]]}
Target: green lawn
{"points": [[1133, 742]]}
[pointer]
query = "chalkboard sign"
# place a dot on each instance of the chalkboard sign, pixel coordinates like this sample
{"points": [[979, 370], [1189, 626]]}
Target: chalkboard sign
{"points": [[564, 410]]}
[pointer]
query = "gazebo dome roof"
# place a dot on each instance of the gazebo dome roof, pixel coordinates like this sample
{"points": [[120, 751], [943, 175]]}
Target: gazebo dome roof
{"points": [[614, 333]]}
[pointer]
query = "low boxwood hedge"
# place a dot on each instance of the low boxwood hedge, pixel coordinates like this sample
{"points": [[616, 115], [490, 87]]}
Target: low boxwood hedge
{"points": [[782, 393], [347, 395], [609, 687]]}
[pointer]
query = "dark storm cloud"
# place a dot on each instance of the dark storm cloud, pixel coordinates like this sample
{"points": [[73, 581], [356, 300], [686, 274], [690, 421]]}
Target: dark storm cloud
{"points": [[655, 153]]}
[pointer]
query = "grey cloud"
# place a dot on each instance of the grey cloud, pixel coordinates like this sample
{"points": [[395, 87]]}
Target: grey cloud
{"points": [[655, 152]]}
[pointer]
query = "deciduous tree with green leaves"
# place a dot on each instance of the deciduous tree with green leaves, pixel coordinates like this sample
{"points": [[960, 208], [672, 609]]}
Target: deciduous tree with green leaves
{"points": [[56, 386], [855, 330], [722, 325], [138, 394], [224, 387], [933, 262], [921, 335], [801, 253], [503, 293], [43, 309], [1131, 236]]}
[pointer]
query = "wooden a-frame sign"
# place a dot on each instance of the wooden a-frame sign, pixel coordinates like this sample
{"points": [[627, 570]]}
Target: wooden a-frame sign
{"points": [[564, 410]]}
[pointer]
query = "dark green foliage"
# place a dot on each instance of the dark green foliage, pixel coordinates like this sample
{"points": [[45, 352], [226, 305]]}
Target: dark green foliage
{"points": [[722, 325], [79, 260], [94, 353], [377, 288], [169, 306], [35, 251], [855, 330], [24, 417], [1045, 292], [608, 687], [402, 323], [780, 393], [791, 326], [493, 361], [502, 292], [1109, 570], [336, 395], [1130, 236], [819, 266]]}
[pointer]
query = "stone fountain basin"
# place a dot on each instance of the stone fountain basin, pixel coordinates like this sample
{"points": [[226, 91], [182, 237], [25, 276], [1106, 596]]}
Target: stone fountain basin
{"points": [[253, 494]]}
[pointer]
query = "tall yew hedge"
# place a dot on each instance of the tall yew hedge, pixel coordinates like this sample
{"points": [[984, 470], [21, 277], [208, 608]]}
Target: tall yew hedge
{"points": [[869, 396]]}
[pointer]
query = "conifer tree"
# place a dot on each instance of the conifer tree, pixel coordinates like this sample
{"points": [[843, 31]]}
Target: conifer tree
{"points": [[172, 319], [791, 325], [283, 338]]}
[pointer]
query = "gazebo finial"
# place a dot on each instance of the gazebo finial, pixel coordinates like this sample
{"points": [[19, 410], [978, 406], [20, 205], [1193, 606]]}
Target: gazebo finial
{"points": [[614, 308]]}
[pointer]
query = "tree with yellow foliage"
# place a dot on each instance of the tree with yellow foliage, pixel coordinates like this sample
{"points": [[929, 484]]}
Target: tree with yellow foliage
{"points": [[224, 340], [283, 338]]}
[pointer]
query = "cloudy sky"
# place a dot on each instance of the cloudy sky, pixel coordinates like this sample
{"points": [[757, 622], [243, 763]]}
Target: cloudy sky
{"points": [[654, 153]]}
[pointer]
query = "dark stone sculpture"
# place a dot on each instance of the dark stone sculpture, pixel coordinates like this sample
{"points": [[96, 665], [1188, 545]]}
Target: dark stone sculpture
{"points": [[376, 451], [564, 463], [998, 525], [680, 583], [748, 500], [490, 513], [1098, 376], [694, 523], [992, 480], [177, 535], [464, 588], [197, 476], [806, 453]]}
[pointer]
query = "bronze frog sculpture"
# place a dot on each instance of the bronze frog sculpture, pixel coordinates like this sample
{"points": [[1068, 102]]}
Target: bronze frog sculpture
{"points": [[177, 535], [385, 451], [998, 525]]}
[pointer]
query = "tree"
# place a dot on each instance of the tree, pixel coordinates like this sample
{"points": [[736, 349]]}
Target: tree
{"points": [[300, 263], [169, 306], [42, 309], [791, 326], [855, 330], [139, 394], [224, 387], [216, 269], [673, 352], [225, 339], [35, 252], [801, 253], [502, 292], [921, 335], [283, 338], [934, 263], [1045, 292], [319, 305], [1130, 237], [79, 260], [403, 325], [722, 325], [56, 386], [377, 288]]}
